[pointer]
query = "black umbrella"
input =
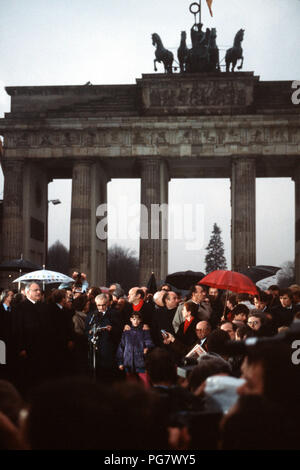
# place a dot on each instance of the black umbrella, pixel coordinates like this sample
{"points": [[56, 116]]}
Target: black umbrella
{"points": [[184, 279], [151, 286], [256, 273], [21, 265]]}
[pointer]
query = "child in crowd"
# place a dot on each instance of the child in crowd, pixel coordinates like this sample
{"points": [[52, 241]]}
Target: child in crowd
{"points": [[134, 344]]}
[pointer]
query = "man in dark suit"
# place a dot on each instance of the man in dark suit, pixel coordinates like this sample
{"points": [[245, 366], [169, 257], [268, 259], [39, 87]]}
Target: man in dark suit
{"points": [[5, 327], [101, 345], [136, 297], [5, 313], [163, 317], [28, 334], [179, 350], [283, 315], [57, 336]]}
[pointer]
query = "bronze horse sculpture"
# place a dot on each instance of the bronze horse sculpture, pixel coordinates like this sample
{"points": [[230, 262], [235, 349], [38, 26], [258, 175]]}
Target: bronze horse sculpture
{"points": [[182, 52], [235, 53], [162, 54], [213, 50]]}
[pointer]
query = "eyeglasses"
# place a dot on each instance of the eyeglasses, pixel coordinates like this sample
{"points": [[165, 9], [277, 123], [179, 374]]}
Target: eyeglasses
{"points": [[254, 323], [101, 305]]}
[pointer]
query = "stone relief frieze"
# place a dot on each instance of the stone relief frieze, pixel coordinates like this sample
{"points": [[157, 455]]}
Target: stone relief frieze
{"points": [[159, 138], [22, 140], [233, 136], [46, 140], [199, 94], [293, 135], [148, 136], [71, 138]]}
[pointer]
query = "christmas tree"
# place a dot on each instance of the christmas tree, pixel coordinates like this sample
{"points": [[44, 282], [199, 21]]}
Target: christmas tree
{"points": [[215, 258]]}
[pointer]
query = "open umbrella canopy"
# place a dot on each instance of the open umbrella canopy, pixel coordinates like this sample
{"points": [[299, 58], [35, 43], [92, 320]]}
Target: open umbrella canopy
{"points": [[257, 273], [45, 276], [230, 280], [184, 279], [19, 265]]}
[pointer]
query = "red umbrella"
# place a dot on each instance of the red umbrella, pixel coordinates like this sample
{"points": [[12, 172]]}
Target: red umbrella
{"points": [[230, 280]]}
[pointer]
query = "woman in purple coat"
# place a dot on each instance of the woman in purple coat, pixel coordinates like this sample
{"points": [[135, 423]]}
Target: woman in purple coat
{"points": [[134, 344]]}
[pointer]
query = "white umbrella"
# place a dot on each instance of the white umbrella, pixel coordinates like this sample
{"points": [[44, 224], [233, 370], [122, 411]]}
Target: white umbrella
{"points": [[263, 284], [45, 276]]}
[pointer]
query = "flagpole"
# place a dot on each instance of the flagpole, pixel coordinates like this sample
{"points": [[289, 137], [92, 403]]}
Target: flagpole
{"points": [[199, 11]]}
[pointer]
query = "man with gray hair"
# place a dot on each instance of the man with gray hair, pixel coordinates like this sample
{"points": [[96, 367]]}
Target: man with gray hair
{"points": [[98, 329], [33, 292]]}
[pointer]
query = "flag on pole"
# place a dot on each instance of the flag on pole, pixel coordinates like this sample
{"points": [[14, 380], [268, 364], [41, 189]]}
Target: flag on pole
{"points": [[209, 2]]}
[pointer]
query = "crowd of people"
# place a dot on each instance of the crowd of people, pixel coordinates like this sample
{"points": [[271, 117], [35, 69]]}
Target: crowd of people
{"points": [[83, 367]]}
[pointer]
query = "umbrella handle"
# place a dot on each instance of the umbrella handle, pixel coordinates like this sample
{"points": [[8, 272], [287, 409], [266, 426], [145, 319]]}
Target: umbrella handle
{"points": [[226, 298], [20, 272]]}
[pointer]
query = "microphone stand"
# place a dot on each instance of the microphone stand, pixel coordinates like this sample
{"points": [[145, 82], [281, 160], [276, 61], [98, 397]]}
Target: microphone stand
{"points": [[93, 341]]}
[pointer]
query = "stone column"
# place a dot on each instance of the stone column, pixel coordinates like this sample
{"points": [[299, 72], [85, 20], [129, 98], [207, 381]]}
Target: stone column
{"points": [[154, 220], [98, 243], [243, 235], [87, 251], [35, 211], [80, 233], [12, 217], [12, 222], [297, 223]]}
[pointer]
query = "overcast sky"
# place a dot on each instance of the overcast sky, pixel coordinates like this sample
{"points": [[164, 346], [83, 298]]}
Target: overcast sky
{"points": [[70, 42]]}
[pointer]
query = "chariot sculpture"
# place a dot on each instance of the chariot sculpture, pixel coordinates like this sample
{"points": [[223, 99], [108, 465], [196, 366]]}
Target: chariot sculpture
{"points": [[204, 54]]}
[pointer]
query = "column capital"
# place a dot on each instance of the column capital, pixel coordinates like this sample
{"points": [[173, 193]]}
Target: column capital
{"points": [[83, 162], [149, 161], [243, 159], [13, 164]]}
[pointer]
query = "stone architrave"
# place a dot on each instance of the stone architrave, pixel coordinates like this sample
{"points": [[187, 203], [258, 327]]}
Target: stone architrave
{"points": [[154, 219], [243, 236]]}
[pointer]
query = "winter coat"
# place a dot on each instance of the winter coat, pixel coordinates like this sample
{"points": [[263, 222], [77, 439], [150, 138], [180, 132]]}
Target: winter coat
{"points": [[130, 352], [79, 319]]}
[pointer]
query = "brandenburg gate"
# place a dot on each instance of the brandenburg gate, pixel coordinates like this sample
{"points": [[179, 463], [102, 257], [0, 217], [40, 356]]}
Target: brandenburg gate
{"points": [[200, 125]]}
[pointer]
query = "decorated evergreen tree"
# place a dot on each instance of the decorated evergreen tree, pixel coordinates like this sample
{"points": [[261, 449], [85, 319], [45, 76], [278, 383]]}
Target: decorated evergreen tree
{"points": [[215, 258]]}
